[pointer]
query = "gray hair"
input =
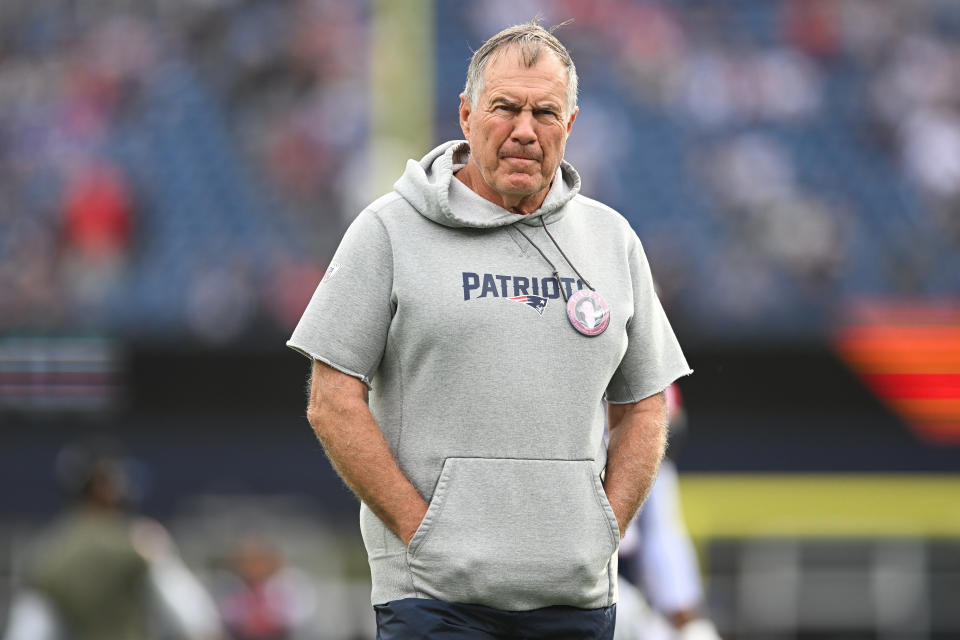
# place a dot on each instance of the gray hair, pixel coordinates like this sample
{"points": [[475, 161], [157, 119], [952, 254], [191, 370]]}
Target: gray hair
{"points": [[532, 40]]}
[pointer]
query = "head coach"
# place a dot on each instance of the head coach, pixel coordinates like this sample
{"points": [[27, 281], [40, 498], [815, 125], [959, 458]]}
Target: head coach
{"points": [[472, 330]]}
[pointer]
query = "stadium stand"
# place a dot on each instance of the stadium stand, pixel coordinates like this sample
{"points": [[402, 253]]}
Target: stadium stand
{"points": [[761, 149]]}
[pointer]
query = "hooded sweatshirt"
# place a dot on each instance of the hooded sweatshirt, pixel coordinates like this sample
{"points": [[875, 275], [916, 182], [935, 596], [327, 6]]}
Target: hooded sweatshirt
{"points": [[490, 401]]}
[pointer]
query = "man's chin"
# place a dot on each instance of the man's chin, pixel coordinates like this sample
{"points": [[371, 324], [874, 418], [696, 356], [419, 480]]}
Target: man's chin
{"points": [[520, 188]]}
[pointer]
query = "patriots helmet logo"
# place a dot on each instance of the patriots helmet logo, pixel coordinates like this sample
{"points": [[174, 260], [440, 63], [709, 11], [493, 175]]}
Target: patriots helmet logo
{"points": [[537, 303]]}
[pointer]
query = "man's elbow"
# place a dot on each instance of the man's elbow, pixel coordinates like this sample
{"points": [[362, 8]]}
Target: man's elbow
{"points": [[316, 416], [328, 415], [321, 413], [335, 400]]}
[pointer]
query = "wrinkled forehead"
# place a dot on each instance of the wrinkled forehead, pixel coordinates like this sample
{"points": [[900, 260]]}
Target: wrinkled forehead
{"points": [[538, 63]]}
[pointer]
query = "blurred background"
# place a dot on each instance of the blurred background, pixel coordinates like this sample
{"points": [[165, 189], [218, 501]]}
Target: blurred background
{"points": [[176, 174]]}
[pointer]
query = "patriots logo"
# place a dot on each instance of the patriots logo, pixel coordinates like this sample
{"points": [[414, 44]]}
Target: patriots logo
{"points": [[537, 303]]}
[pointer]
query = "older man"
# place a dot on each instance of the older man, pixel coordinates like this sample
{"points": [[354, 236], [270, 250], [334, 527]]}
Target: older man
{"points": [[492, 312]]}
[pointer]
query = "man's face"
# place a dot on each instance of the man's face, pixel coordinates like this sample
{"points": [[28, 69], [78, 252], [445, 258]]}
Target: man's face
{"points": [[518, 129]]}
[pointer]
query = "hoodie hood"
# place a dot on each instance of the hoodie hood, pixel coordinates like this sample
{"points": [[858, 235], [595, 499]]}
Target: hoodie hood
{"points": [[430, 187]]}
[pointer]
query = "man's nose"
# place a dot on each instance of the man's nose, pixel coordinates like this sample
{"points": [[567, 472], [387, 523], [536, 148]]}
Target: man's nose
{"points": [[523, 128]]}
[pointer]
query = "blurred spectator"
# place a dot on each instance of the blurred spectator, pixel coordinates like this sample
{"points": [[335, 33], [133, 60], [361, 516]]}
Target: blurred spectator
{"points": [[98, 212], [99, 574], [261, 597], [97, 230], [811, 26]]}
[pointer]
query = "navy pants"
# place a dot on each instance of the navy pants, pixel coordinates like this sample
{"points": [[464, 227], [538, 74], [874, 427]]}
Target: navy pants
{"points": [[416, 618]]}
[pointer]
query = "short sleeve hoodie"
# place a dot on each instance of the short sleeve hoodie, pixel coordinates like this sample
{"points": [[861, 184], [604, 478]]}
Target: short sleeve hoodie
{"points": [[491, 402]]}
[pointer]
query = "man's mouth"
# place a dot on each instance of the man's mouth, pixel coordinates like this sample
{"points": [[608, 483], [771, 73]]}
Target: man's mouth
{"points": [[520, 159], [520, 155]]}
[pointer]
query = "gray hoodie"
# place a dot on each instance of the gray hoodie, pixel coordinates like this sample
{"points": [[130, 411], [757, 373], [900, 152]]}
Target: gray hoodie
{"points": [[491, 402]]}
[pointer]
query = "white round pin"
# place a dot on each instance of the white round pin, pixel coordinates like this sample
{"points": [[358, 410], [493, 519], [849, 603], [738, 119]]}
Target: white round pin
{"points": [[588, 313]]}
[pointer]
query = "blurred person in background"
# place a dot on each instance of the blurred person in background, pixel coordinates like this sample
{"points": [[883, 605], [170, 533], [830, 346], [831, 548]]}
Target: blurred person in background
{"points": [[491, 309], [661, 594], [98, 226], [99, 573], [260, 596]]}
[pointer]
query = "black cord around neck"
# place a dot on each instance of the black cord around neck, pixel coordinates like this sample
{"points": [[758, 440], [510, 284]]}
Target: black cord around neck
{"points": [[550, 262], [549, 235]]}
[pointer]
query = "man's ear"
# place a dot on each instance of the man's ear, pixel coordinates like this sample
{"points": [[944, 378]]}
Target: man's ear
{"points": [[572, 118], [465, 111]]}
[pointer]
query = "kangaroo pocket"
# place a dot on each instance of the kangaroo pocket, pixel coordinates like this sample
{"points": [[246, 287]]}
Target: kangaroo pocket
{"points": [[516, 535]]}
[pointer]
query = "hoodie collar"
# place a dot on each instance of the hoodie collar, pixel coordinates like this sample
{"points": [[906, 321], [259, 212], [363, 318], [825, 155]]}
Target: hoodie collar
{"points": [[431, 188]]}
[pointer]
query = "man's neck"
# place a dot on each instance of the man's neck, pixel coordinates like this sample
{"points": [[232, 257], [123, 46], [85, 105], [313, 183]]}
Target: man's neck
{"points": [[470, 176]]}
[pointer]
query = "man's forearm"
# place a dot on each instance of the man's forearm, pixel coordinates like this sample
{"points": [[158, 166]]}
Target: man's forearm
{"points": [[638, 435], [358, 451]]}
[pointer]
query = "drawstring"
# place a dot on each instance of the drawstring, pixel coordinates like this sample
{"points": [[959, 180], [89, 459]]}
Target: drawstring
{"points": [[549, 235], [550, 262], [586, 310]]}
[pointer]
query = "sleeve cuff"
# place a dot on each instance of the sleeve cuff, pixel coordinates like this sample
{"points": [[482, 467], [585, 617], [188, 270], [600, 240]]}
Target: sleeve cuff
{"points": [[329, 362]]}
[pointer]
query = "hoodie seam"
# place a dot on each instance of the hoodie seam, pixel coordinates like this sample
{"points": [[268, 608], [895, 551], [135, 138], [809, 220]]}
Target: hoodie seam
{"points": [[394, 348], [392, 343], [627, 383], [524, 247], [387, 199], [630, 384], [611, 583], [393, 253], [396, 354], [600, 207]]}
